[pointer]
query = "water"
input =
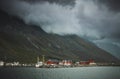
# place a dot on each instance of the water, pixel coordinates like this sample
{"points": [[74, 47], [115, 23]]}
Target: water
{"points": [[61, 73]]}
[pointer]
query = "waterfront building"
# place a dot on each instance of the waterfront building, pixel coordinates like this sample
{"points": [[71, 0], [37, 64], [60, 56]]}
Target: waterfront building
{"points": [[1, 63]]}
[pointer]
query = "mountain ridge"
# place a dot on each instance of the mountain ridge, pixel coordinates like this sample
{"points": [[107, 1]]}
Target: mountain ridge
{"points": [[22, 42]]}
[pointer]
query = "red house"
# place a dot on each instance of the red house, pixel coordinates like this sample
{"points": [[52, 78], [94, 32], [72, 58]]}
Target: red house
{"points": [[89, 62], [52, 62]]}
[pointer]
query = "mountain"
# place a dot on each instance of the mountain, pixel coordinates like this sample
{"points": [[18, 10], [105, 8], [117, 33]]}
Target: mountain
{"points": [[23, 43]]}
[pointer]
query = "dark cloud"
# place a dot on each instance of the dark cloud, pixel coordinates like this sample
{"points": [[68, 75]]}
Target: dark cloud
{"points": [[113, 5]]}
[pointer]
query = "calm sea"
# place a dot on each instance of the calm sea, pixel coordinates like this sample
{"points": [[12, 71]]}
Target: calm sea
{"points": [[61, 73]]}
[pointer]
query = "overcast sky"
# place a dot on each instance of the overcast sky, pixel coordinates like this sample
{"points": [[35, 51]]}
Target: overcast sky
{"points": [[95, 20]]}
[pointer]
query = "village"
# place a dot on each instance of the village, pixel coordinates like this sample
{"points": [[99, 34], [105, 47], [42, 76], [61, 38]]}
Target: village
{"points": [[55, 63], [50, 63]]}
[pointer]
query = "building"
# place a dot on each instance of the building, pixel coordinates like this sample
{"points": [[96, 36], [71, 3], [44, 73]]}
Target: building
{"points": [[84, 63], [52, 63], [92, 62], [66, 63], [87, 63], [1, 63], [12, 64]]}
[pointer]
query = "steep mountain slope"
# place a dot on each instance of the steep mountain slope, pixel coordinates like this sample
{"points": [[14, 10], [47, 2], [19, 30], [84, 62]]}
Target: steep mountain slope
{"points": [[21, 42]]}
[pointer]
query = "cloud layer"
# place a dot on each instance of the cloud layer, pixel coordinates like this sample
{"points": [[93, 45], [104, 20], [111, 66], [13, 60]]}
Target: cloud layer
{"points": [[86, 18]]}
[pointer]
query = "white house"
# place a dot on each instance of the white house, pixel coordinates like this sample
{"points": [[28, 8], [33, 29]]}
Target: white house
{"points": [[1, 63]]}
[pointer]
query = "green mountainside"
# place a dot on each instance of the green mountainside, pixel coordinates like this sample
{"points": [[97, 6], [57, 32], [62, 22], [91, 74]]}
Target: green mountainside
{"points": [[23, 43]]}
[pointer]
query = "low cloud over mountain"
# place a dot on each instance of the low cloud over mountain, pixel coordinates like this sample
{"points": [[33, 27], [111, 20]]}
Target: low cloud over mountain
{"points": [[91, 19]]}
